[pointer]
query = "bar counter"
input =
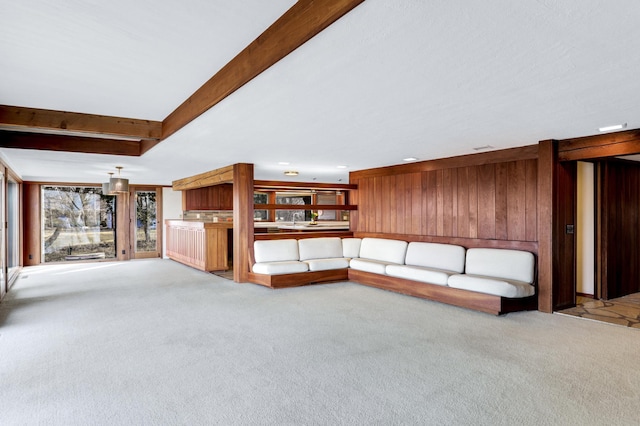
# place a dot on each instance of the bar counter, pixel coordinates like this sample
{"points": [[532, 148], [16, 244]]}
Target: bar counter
{"points": [[202, 245]]}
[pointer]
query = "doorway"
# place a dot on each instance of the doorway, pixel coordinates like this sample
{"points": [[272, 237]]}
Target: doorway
{"points": [[146, 222]]}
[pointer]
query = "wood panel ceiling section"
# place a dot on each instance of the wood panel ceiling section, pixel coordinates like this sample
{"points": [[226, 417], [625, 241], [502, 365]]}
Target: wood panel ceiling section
{"points": [[31, 128]]}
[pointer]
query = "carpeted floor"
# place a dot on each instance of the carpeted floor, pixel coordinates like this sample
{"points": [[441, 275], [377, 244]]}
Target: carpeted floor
{"points": [[156, 343]]}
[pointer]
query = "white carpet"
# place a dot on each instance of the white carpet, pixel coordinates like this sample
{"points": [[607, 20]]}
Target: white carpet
{"points": [[153, 342]]}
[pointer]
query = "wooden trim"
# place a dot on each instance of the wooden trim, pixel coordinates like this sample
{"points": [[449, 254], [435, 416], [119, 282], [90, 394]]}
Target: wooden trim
{"points": [[599, 146], [530, 246], [274, 184], [298, 279], [51, 142], [45, 119], [488, 303], [529, 152], [302, 235], [301, 22], [123, 230], [305, 207], [210, 178], [242, 220], [547, 160], [32, 249]]}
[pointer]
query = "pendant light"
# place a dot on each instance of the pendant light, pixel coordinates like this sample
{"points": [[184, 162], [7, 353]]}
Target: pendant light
{"points": [[105, 186], [118, 185]]}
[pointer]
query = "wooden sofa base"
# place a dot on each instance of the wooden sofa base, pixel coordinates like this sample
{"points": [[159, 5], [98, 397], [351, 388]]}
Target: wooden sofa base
{"points": [[488, 303], [298, 279]]}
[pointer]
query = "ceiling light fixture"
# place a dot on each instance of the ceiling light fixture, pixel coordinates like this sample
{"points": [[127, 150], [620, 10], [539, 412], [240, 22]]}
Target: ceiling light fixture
{"points": [[342, 167], [284, 163], [409, 159], [614, 127], [118, 185], [105, 186], [291, 173]]}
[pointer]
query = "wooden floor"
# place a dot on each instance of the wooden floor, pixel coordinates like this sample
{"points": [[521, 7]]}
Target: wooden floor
{"points": [[623, 311]]}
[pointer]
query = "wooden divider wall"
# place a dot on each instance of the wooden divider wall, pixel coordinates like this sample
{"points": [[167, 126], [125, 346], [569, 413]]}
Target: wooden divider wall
{"points": [[487, 201]]}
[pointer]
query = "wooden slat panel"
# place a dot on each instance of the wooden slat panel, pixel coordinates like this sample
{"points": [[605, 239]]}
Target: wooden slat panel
{"points": [[516, 200], [447, 207], [487, 201], [416, 203], [501, 201], [531, 209], [393, 202], [304, 20], [473, 201], [440, 213], [400, 206], [385, 202], [377, 206], [431, 208], [44, 119], [463, 203]]}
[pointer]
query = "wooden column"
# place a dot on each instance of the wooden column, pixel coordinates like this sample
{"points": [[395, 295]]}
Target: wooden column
{"points": [[242, 220], [32, 250], [123, 221], [547, 160]]}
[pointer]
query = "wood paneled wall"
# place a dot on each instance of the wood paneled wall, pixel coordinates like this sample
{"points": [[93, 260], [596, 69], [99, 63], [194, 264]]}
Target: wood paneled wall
{"points": [[218, 197], [32, 251], [494, 201], [619, 206]]}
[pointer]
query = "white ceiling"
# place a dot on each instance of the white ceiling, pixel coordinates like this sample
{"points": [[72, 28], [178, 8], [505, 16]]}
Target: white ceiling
{"points": [[389, 80]]}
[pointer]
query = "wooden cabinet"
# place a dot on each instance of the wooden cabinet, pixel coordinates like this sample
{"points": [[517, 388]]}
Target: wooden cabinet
{"points": [[218, 197], [204, 246]]}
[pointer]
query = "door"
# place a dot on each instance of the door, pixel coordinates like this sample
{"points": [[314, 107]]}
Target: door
{"points": [[146, 222]]}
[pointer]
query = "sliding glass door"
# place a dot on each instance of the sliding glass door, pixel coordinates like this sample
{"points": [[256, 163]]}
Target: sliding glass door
{"points": [[3, 277], [13, 228]]}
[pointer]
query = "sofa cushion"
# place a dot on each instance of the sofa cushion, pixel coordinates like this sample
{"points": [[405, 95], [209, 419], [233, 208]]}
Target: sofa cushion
{"points": [[278, 268], [320, 248], [327, 264], [275, 250], [445, 257], [368, 265], [383, 250], [496, 286], [417, 273], [351, 247], [516, 265]]}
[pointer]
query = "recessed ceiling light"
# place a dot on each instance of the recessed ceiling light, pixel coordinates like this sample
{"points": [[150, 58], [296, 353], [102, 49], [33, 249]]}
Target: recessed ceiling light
{"points": [[283, 163], [342, 167], [614, 127], [291, 173], [409, 159]]}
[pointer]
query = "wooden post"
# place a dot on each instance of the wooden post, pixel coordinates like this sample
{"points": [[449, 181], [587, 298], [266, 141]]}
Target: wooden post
{"points": [[242, 220], [32, 251], [547, 160]]}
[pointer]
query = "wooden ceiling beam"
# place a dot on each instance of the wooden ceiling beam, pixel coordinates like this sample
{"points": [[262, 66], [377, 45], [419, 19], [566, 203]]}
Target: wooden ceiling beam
{"points": [[211, 178], [73, 122], [50, 142], [299, 24]]}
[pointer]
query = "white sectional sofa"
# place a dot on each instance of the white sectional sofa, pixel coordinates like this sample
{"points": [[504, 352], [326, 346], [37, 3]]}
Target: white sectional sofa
{"points": [[486, 279]]}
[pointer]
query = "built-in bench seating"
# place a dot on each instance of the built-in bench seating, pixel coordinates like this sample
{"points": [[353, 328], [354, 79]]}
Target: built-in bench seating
{"points": [[486, 279]]}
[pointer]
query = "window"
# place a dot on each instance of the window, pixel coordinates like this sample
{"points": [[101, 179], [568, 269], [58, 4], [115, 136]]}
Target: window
{"points": [[78, 224]]}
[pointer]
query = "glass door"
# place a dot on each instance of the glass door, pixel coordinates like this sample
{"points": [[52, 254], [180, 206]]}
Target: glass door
{"points": [[3, 242], [146, 222], [13, 228]]}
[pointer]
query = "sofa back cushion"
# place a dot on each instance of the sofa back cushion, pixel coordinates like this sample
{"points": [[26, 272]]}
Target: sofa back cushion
{"points": [[384, 250], [351, 247], [515, 265], [320, 248], [447, 257], [275, 250]]}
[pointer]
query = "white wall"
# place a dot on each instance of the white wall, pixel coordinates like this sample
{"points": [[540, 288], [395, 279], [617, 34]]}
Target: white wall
{"points": [[171, 209], [585, 229]]}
